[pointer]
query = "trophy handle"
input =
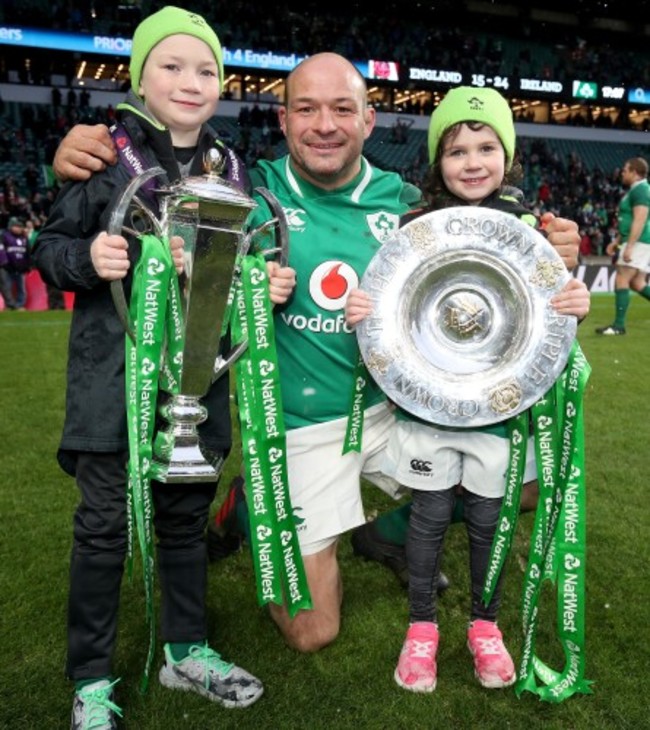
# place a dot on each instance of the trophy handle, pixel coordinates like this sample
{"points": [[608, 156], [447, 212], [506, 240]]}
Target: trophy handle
{"points": [[279, 222], [117, 227]]}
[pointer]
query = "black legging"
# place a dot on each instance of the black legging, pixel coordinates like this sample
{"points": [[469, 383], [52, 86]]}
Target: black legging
{"points": [[430, 516]]}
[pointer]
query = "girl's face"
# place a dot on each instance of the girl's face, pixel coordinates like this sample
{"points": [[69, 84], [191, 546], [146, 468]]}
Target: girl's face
{"points": [[473, 163], [180, 86]]}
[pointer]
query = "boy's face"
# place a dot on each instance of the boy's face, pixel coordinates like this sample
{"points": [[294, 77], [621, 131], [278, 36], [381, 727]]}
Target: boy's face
{"points": [[180, 86], [472, 163]]}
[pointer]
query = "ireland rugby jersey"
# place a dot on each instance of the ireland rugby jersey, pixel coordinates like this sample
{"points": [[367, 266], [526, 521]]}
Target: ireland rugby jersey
{"points": [[638, 194], [332, 237]]}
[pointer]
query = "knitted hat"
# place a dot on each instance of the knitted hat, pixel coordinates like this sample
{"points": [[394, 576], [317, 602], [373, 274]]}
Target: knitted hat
{"points": [[170, 21], [469, 104], [14, 221]]}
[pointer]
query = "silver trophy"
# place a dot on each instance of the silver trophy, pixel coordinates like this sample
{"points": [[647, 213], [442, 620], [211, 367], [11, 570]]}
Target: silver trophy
{"points": [[462, 333], [209, 213]]}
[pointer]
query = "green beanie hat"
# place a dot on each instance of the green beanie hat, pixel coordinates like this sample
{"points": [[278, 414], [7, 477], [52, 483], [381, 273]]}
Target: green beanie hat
{"points": [[469, 104], [160, 25]]}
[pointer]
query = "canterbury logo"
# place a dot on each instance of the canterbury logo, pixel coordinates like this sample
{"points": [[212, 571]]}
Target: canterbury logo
{"points": [[420, 465]]}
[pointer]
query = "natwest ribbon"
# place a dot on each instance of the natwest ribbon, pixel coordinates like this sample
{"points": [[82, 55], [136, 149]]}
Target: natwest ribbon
{"points": [[354, 428], [279, 571], [558, 544], [152, 278]]}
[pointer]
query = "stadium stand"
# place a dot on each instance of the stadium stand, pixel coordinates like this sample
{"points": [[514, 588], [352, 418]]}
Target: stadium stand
{"points": [[580, 169]]}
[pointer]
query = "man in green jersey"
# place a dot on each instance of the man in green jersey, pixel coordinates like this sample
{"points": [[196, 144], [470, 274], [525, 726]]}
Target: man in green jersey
{"points": [[632, 242], [339, 210]]}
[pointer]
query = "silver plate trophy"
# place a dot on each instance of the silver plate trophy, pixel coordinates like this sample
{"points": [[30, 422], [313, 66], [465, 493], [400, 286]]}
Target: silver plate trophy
{"points": [[462, 333], [209, 213]]}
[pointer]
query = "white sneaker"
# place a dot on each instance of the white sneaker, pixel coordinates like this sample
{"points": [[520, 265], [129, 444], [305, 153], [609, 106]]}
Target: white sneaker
{"points": [[205, 672], [93, 707]]}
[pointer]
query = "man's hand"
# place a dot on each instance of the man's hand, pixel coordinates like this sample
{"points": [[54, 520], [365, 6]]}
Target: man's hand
{"points": [[85, 149], [282, 281], [628, 252], [109, 255], [563, 235]]}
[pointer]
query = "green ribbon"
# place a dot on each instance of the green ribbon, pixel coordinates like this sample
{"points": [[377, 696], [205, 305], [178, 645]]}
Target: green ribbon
{"points": [[518, 434], [279, 571], [152, 277], [354, 428], [547, 418], [558, 545]]}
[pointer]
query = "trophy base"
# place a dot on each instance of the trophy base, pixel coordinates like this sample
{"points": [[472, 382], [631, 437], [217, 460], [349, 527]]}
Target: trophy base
{"points": [[186, 464], [177, 456]]}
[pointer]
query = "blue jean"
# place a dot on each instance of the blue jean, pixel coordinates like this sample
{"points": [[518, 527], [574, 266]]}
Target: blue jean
{"points": [[12, 288], [6, 287]]}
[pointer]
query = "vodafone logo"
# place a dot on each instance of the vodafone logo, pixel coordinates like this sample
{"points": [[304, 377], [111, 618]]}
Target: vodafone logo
{"points": [[330, 284]]}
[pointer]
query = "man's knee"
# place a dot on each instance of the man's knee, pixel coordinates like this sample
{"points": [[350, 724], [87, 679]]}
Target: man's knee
{"points": [[311, 630], [308, 631]]}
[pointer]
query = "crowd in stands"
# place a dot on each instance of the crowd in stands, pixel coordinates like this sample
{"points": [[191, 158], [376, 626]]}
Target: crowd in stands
{"points": [[564, 184], [567, 187], [413, 36], [560, 183]]}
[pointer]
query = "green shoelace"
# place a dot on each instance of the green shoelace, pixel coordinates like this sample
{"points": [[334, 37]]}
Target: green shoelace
{"points": [[98, 706]]}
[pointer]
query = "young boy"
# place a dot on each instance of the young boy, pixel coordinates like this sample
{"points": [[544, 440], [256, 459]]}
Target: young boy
{"points": [[176, 75], [471, 151]]}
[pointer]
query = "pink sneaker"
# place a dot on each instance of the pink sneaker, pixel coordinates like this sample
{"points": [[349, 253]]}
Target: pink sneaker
{"points": [[493, 665], [416, 669]]}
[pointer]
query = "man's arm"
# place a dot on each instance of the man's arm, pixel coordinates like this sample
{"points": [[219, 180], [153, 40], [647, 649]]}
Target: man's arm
{"points": [[85, 149]]}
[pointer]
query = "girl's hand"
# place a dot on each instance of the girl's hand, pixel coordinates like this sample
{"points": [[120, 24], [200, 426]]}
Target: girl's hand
{"points": [[357, 307], [573, 299]]}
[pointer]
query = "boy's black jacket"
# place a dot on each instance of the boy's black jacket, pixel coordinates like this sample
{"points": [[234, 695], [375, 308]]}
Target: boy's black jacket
{"points": [[95, 418]]}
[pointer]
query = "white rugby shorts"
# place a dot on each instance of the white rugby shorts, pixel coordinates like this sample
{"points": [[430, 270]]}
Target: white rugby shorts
{"points": [[325, 484], [421, 456], [640, 257]]}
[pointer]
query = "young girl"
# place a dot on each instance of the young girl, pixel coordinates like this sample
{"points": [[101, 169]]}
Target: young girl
{"points": [[471, 151], [176, 75]]}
